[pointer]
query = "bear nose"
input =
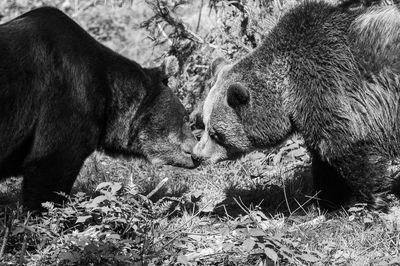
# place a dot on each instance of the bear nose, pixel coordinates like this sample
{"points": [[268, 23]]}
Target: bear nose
{"points": [[187, 148], [196, 159]]}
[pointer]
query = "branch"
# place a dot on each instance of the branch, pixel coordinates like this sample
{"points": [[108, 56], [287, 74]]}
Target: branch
{"points": [[163, 14], [199, 18]]}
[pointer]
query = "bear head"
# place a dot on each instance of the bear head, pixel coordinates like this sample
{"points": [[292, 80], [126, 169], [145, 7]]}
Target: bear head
{"points": [[148, 120], [164, 136], [244, 110]]}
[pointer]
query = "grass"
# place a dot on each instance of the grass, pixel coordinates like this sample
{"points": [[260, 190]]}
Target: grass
{"points": [[236, 213]]}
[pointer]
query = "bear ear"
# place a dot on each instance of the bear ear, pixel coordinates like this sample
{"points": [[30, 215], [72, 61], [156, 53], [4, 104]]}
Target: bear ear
{"points": [[237, 95], [168, 68], [217, 65]]}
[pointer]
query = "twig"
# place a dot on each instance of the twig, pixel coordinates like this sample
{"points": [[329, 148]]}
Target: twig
{"points": [[310, 198], [226, 212], [164, 34], [200, 234], [244, 208], [5, 239], [199, 18], [286, 199], [6, 233], [157, 187], [301, 206], [23, 251]]}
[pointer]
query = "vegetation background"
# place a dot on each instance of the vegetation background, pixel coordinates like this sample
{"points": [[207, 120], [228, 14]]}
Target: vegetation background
{"points": [[254, 211]]}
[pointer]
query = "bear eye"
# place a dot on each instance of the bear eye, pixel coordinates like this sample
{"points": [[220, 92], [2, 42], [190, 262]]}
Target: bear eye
{"points": [[217, 137], [165, 81], [186, 119]]}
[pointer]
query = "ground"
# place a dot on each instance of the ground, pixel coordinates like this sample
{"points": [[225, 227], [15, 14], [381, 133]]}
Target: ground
{"points": [[258, 210]]}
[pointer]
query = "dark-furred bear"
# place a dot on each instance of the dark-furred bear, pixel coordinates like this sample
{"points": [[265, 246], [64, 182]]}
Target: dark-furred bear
{"points": [[64, 95], [330, 74]]}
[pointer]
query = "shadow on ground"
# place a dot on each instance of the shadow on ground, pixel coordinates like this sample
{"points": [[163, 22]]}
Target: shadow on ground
{"points": [[187, 187], [294, 196]]}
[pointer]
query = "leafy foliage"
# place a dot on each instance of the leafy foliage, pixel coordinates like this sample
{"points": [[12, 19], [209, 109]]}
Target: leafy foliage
{"points": [[118, 226]]}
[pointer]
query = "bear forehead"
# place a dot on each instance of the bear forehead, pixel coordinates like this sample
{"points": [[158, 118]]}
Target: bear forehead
{"points": [[216, 92]]}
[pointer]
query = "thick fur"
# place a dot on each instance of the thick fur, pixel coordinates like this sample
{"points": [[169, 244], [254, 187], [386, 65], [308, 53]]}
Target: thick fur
{"points": [[330, 74], [64, 95]]}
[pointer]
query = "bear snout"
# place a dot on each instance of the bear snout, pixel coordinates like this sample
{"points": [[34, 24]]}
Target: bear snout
{"points": [[187, 148]]}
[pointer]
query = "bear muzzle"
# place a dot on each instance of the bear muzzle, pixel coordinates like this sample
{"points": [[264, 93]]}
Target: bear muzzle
{"points": [[187, 149], [207, 151]]}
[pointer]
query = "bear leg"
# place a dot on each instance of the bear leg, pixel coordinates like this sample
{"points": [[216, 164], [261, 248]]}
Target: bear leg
{"points": [[332, 189], [366, 172], [42, 179]]}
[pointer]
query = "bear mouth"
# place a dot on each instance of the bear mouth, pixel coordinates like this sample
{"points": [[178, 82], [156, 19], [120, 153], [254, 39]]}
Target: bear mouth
{"points": [[183, 160]]}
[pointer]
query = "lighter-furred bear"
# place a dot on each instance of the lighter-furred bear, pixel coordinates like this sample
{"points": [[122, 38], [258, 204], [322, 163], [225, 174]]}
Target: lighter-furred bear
{"points": [[330, 74]]}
